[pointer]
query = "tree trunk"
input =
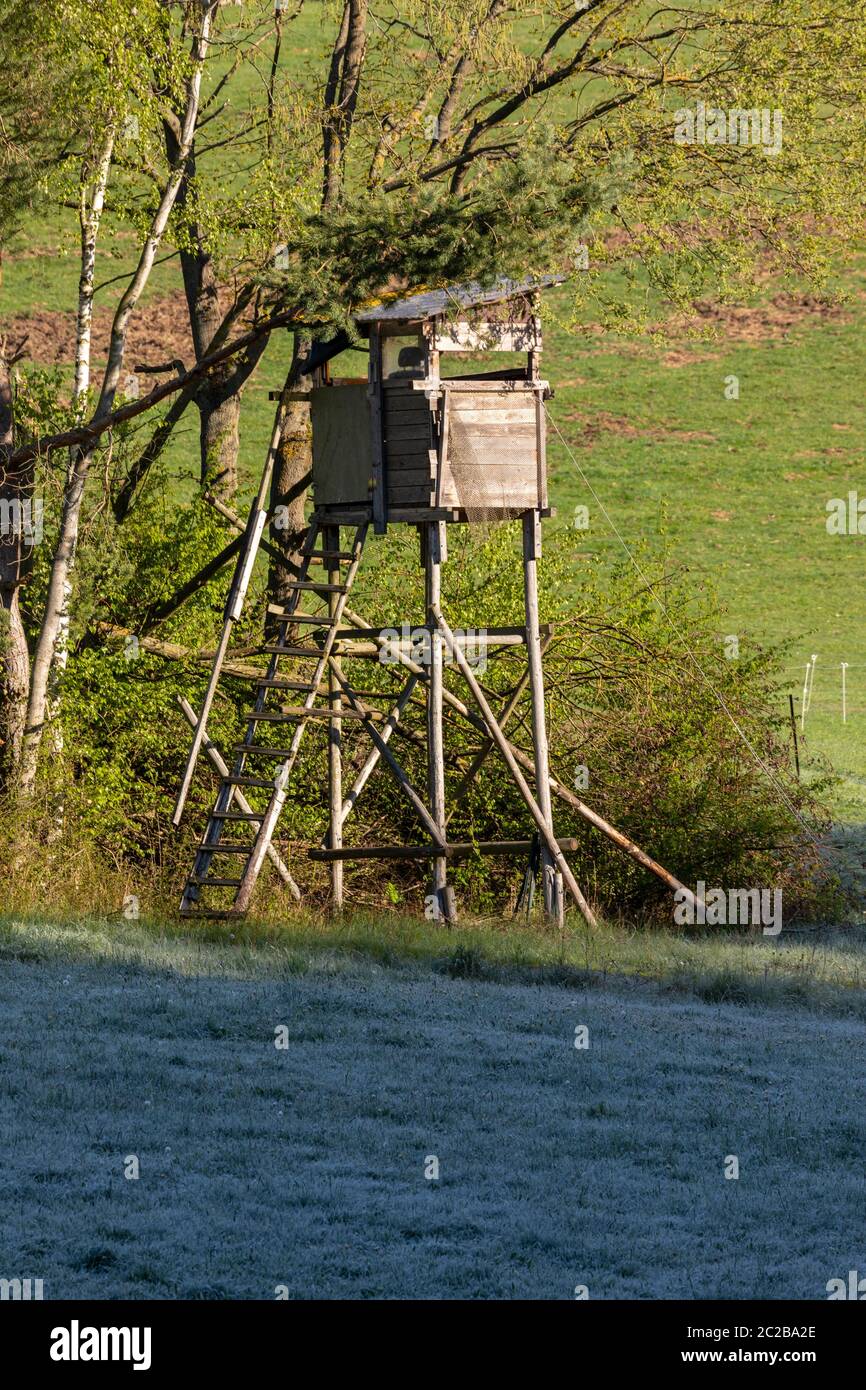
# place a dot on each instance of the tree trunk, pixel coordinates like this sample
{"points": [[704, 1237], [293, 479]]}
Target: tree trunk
{"points": [[51, 631], [90, 208], [218, 398], [291, 480], [219, 434], [16, 488]]}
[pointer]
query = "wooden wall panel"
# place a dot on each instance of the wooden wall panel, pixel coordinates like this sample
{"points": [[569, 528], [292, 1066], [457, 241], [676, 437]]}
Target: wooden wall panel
{"points": [[342, 450]]}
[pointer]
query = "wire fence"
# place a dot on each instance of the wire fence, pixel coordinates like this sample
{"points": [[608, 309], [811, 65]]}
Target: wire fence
{"points": [[840, 691]]}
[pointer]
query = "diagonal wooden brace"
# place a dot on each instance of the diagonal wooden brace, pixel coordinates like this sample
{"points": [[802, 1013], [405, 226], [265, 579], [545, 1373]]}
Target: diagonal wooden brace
{"points": [[504, 747], [617, 837], [381, 746]]}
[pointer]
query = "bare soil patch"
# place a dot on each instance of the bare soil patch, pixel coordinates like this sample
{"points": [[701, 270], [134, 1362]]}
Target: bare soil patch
{"points": [[159, 333], [602, 422], [773, 319]]}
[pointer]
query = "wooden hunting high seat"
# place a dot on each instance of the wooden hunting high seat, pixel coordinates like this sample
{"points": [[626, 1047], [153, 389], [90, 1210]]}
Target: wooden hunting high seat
{"points": [[411, 445], [405, 444]]}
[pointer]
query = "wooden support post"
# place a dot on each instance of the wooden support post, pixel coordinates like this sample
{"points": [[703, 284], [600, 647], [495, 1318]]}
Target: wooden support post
{"points": [[794, 732], [551, 878], [434, 547], [331, 542], [374, 391], [509, 754]]}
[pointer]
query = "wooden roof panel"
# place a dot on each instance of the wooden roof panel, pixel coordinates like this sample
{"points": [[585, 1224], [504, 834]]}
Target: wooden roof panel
{"points": [[452, 299]]}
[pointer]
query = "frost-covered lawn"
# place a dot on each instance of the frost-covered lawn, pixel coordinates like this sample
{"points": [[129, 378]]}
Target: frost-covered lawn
{"points": [[305, 1166]]}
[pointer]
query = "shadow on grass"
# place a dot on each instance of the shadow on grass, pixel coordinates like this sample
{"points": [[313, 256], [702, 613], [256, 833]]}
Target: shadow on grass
{"points": [[821, 969]]}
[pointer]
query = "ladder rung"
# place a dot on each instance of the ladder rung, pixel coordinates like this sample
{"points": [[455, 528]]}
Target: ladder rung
{"points": [[275, 649], [234, 780], [312, 585], [331, 555], [278, 611], [198, 882], [219, 847], [248, 748], [280, 683], [236, 815], [292, 616]]}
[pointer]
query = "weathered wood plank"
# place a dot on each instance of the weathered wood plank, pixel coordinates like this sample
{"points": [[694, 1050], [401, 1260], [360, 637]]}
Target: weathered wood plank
{"points": [[401, 386], [521, 431], [463, 850], [490, 469], [412, 477], [474, 491], [409, 496], [412, 432], [414, 452], [417, 409], [378, 461], [511, 335], [456, 384], [498, 413]]}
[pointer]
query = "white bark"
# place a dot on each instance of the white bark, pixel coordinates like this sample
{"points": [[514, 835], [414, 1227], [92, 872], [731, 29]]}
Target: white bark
{"points": [[90, 216], [90, 209], [64, 555]]}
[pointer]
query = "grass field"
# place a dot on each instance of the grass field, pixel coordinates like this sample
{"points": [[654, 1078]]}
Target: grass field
{"points": [[736, 490], [822, 969], [296, 1171]]}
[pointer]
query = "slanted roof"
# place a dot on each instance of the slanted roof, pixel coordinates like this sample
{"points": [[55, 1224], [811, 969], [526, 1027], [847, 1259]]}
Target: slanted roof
{"points": [[434, 302]]}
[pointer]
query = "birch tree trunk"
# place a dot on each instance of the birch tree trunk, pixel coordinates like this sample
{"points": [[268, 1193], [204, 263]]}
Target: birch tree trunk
{"points": [[90, 209], [15, 488], [77, 474]]}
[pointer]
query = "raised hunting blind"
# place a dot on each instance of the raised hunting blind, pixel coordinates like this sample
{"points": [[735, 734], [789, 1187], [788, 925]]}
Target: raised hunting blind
{"points": [[406, 444], [411, 445]]}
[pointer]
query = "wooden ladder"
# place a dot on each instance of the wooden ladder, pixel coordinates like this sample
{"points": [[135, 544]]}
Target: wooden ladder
{"points": [[252, 830]]}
